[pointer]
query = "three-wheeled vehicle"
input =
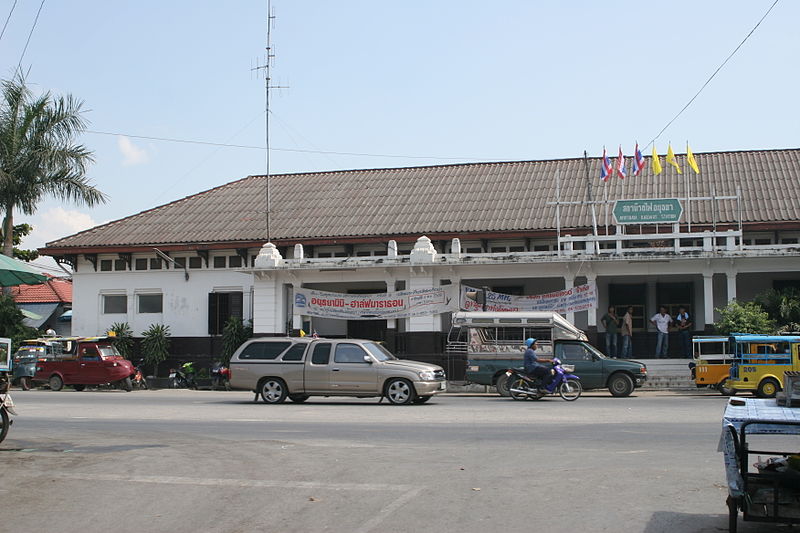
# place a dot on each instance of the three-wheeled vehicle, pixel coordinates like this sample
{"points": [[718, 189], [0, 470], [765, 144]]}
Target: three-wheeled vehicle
{"points": [[85, 361], [759, 362], [28, 354], [6, 405], [711, 366]]}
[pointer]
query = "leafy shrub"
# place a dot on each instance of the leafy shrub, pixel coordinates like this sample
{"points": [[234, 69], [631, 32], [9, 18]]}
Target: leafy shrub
{"points": [[124, 339], [746, 317], [155, 345]]}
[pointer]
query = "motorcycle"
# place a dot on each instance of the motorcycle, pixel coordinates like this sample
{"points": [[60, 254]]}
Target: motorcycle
{"points": [[182, 378], [220, 375], [564, 383], [6, 405], [138, 378]]}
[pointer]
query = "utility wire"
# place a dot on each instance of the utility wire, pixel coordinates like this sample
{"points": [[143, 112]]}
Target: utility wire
{"points": [[30, 34], [7, 19], [713, 75], [300, 150]]}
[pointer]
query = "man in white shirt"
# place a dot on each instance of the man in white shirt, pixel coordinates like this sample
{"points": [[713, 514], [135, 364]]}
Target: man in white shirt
{"points": [[661, 321]]}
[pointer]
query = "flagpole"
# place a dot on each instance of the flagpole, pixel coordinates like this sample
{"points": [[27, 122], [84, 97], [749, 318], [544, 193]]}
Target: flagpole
{"points": [[688, 197], [591, 196]]}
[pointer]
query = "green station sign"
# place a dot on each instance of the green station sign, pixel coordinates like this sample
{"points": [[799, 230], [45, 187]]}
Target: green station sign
{"points": [[649, 211]]}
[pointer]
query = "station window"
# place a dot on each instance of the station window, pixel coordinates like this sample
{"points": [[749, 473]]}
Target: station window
{"points": [[340, 254], [195, 262], [105, 265], [219, 261], [541, 248], [498, 249], [120, 264], [324, 254], [150, 303], [115, 304], [155, 263], [763, 242], [516, 248], [235, 261], [221, 307], [475, 250], [363, 253], [673, 296], [622, 296], [140, 264], [792, 240]]}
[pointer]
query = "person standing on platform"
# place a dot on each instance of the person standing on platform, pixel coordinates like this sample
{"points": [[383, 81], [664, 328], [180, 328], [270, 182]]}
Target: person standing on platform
{"points": [[627, 334], [611, 323], [685, 329], [661, 321]]}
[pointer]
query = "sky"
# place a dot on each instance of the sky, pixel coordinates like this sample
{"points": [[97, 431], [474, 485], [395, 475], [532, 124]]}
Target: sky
{"points": [[427, 82]]}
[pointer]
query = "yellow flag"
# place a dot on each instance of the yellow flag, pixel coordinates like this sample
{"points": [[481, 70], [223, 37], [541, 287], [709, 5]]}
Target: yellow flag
{"points": [[656, 162], [690, 160], [671, 159], [302, 333]]}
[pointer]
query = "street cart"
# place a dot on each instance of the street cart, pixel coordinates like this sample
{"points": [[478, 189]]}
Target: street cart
{"points": [[763, 483]]}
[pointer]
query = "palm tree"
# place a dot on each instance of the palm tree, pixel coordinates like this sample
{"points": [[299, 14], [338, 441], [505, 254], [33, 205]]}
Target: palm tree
{"points": [[38, 153]]}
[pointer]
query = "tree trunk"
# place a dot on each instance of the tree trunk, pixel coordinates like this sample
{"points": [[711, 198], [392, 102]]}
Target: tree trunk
{"points": [[8, 232]]}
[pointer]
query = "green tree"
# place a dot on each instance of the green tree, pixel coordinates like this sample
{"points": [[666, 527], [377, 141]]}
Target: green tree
{"points": [[123, 340], [783, 306], [11, 324], [20, 231], [746, 317], [155, 345], [38, 154], [234, 333]]}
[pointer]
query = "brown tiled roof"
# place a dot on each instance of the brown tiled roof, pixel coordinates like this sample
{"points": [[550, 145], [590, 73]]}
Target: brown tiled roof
{"points": [[466, 198], [54, 290]]}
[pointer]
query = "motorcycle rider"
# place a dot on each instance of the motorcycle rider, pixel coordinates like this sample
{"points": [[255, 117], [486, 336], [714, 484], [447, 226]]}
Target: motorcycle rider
{"points": [[533, 367]]}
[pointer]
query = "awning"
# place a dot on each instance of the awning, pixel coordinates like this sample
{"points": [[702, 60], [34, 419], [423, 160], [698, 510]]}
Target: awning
{"points": [[66, 316], [43, 312]]}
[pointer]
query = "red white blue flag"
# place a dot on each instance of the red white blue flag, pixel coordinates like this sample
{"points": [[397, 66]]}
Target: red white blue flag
{"points": [[620, 166], [638, 161], [605, 170]]}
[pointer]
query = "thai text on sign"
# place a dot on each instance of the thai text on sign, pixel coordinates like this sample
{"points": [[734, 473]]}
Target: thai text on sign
{"points": [[378, 306], [573, 299]]}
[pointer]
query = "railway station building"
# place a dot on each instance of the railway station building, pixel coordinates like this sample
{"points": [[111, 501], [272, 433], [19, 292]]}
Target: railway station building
{"points": [[520, 228]]}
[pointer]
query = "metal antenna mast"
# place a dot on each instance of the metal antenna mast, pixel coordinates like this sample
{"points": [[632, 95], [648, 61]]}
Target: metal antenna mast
{"points": [[266, 69]]}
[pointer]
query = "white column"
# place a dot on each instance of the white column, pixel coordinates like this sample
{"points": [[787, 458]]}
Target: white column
{"points": [[730, 276], [391, 323], [708, 298], [268, 304], [423, 279], [591, 314], [569, 282]]}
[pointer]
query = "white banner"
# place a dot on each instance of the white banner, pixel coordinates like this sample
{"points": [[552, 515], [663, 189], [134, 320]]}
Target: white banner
{"points": [[570, 300], [401, 304]]}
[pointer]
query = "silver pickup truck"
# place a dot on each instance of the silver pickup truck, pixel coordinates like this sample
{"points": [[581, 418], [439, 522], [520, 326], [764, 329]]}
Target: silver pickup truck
{"points": [[296, 368]]}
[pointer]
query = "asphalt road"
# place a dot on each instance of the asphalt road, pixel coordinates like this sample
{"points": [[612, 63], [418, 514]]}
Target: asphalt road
{"points": [[214, 461]]}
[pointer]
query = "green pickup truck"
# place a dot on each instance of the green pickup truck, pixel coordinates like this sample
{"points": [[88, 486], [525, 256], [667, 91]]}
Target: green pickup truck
{"points": [[494, 341]]}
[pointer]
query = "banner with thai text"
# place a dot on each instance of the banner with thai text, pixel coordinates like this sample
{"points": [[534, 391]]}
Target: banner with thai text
{"points": [[570, 300], [400, 304]]}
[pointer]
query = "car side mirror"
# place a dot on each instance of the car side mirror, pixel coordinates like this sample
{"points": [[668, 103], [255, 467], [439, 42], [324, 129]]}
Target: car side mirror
{"points": [[368, 359]]}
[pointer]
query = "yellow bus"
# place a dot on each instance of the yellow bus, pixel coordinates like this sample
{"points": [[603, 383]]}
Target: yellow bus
{"points": [[759, 362]]}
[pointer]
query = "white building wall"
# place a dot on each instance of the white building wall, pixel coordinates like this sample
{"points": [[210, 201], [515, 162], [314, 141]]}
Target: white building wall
{"points": [[185, 303]]}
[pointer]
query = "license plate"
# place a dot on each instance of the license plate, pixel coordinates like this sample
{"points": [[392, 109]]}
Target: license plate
{"points": [[474, 368], [443, 385], [171, 376]]}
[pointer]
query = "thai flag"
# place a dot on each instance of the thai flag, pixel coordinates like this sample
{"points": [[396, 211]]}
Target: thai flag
{"points": [[605, 171], [638, 161], [620, 166]]}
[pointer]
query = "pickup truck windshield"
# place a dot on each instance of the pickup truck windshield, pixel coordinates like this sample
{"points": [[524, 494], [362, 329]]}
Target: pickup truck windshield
{"points": [[378, 352], [108, 350]]}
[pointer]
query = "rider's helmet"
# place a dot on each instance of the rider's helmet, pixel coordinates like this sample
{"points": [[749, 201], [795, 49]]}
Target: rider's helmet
{"points": [[530, 342]]}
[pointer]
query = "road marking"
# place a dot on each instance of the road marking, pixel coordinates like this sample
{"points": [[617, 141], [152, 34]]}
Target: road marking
{"points": [[384, 513], [634, 451], [245, 483], [80, 417]]}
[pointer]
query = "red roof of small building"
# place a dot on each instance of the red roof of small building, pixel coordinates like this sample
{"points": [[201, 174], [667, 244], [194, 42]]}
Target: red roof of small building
{"points": [[54, 290]]}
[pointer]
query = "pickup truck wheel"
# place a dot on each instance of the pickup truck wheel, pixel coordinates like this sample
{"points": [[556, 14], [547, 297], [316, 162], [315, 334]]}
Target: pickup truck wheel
{"points": [[79, 388], [422, 399], [298, 398], [620, 385], [55, 382], [400, 392], [273, 390], [768, 388], [501, 385], [25, 383]]}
